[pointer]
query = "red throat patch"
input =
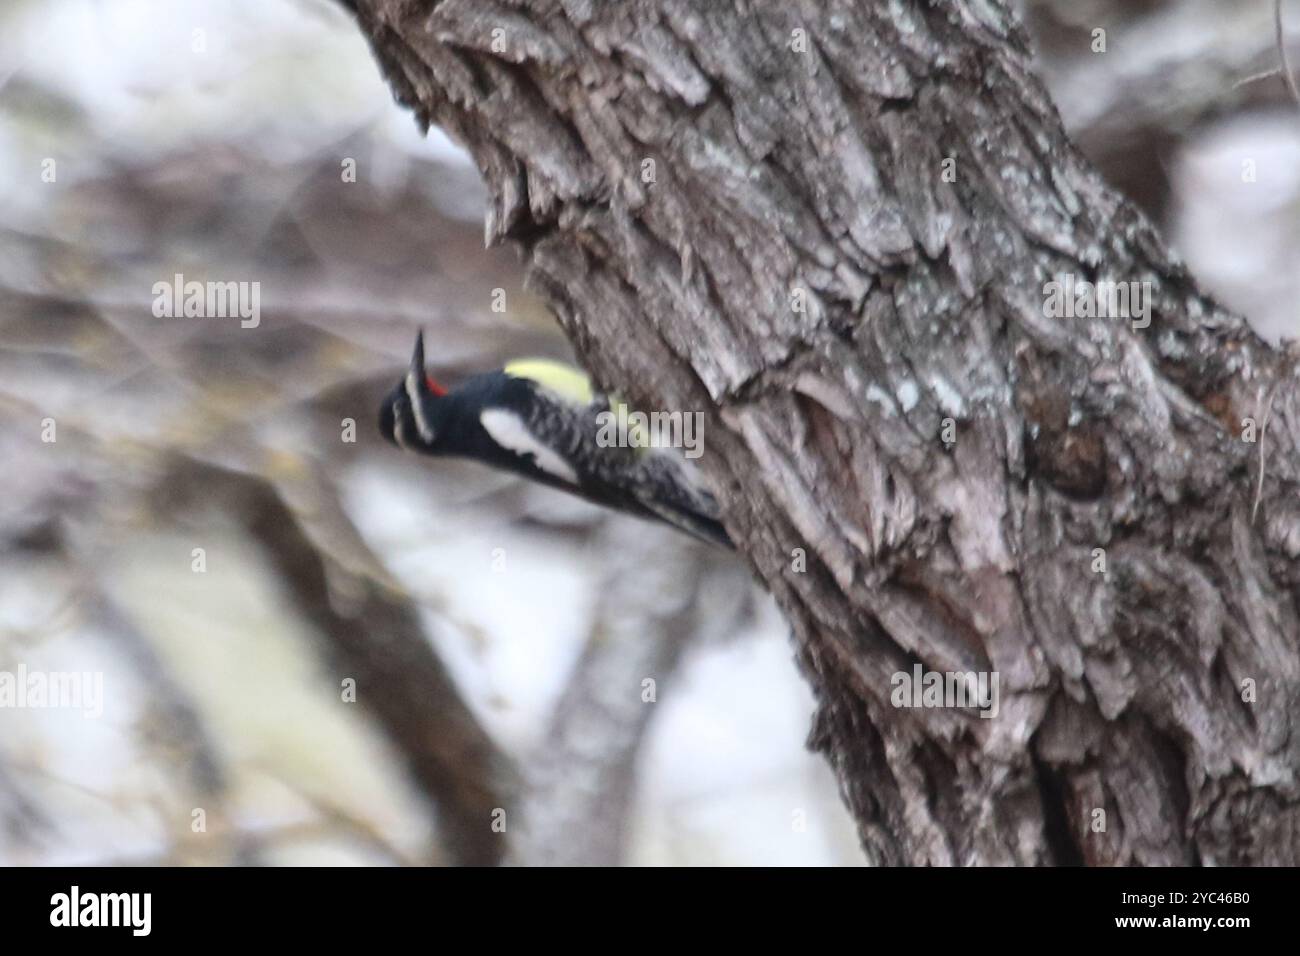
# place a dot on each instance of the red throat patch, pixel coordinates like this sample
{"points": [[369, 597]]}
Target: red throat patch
{"points": [[434, 386]]}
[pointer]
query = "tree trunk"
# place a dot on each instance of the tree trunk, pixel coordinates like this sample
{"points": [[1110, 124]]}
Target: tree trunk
{"points": [[828, 226]]}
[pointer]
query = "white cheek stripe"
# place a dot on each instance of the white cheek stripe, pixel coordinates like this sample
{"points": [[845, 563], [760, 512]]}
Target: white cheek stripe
{"points": [[417, 407], [509, 432]]}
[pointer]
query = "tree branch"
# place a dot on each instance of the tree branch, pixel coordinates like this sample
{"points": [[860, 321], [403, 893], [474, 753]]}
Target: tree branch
{"points": [[375, 637], [841, 258]]}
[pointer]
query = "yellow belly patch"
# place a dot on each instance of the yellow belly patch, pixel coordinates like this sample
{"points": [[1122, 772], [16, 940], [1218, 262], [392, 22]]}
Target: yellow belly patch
{"points": [[564, 380]]}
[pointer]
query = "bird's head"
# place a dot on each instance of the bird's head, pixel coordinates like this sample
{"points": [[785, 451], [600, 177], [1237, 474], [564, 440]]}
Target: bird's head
{"points": [[407, 416]]}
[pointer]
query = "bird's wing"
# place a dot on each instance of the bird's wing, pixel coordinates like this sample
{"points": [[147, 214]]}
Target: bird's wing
{"points": [[652, 482], [511, 432]]}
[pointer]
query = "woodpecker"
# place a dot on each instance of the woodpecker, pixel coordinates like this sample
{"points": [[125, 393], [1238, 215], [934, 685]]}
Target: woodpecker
{"points": [[541, 419]]}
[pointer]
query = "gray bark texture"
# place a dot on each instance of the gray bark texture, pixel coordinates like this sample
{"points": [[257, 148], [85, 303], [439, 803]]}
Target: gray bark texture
{"points": [[1164, 690]]}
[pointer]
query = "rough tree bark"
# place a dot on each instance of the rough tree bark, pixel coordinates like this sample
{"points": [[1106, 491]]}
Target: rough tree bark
{"points": [[797, 152]]}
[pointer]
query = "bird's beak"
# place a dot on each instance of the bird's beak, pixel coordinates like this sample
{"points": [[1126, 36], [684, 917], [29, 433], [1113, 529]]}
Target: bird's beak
{"points": [[417, 383], [417, 358]]}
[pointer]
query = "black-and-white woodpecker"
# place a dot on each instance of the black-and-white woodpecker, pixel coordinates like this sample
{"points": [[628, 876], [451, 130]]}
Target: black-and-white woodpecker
{"points": [[541, 419]]}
